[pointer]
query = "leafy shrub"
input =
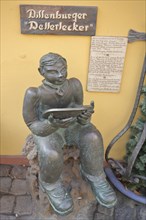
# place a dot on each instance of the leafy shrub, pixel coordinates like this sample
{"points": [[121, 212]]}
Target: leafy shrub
{"points": [[139, 167]]}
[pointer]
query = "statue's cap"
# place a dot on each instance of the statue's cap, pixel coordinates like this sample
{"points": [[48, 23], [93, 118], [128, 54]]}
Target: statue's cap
{"points": [[51, 58]]}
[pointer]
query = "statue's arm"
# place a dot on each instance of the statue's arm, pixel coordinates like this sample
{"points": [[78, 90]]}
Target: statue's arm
{"points": [[77, 92], [31, 117], [85, 117]]}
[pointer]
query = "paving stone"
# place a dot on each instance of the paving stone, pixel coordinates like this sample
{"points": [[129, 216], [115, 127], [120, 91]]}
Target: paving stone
{"points": [[52, 217], [19, 172], [23, 205], [5, 184], [7, 204], [7, 217], [141, 213], [26, 217], [19, 187], [87, 212], [106, 211], [99, 216], [5, 170], [128, 201], [124, 212]]}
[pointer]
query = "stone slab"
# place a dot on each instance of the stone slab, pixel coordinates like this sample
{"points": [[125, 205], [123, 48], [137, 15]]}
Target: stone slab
{"points": [[5, 184], [7, 204], [7, 217], [23, 205], [18, 172], [106, 211], [5, 170], [141, 213], [19, 187], [124, 212], [87, 212], [100, 216], [26, 217]]}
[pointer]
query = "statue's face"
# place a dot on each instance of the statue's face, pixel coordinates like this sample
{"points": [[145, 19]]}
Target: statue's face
{"points": [[55, 74]]}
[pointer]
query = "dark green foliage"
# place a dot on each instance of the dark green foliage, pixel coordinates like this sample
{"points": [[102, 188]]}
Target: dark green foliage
{"points": [[139, 167]]}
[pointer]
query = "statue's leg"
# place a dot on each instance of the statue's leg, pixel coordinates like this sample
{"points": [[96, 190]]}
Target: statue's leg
{"points": [[50, 158], [50, 155], [91, 150], [92, 158]]}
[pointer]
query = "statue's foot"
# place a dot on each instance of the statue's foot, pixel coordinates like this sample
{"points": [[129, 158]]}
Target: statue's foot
{"points": [[58, 197], [104, 193]]}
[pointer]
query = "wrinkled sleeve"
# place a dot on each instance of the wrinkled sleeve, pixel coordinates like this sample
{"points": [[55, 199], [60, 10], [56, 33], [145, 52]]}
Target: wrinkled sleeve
{"points": [[31, 115], [30, 106], [77, 92]]}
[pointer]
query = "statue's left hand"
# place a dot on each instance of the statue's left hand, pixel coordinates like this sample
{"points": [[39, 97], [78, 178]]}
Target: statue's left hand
{"points": [[84, 118], [61, 123]]}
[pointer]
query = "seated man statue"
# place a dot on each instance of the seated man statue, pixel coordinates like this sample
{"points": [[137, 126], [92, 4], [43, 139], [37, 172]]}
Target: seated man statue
{"points": [[51, 134]]}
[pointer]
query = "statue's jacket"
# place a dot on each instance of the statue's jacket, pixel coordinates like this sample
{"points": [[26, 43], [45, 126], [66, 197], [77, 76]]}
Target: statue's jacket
{"points": [[48, 96]]}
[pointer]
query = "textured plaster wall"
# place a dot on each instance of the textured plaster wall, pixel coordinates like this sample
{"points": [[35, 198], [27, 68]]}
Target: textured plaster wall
{"points": [[20, 56]]}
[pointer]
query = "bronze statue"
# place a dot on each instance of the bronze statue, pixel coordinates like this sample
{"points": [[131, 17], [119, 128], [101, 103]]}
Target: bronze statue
{"points": [[55, 114]]}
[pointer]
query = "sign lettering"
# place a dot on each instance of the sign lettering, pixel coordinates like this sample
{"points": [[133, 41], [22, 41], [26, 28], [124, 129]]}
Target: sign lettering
{"points": [[63, 20]]}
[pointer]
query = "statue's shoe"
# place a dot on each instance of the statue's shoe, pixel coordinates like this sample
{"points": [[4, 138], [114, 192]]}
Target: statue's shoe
{"points": [[58, 197], [103, 191]]}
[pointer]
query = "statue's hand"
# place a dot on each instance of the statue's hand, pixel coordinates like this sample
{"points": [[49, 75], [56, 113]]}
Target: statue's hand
{"points": [[84, 117], [61, 123]]}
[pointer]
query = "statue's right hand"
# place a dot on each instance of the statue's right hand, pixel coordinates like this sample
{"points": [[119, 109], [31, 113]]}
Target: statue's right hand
{"points": [[51, 119]]}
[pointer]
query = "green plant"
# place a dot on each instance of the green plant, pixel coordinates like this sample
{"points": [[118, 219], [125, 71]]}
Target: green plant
{"points": [[139, 167]]}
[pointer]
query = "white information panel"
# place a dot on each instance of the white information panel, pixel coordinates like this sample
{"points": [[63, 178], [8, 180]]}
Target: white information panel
{"points": [[107, 55]]}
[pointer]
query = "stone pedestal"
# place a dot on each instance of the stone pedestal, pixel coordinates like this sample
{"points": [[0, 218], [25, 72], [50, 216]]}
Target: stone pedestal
{"points": [[83, 198]]}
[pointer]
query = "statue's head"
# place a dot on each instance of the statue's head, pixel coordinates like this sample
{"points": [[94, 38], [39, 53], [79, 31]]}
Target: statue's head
{"points": [[53, 67]]}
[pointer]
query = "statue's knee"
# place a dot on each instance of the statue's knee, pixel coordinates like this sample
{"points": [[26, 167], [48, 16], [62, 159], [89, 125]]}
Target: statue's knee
{"points": [[53, 156], [91, 137], [49, 155]]}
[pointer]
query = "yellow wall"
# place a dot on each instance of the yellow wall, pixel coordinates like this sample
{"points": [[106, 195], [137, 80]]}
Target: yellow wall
{"points": [[20, 56]]}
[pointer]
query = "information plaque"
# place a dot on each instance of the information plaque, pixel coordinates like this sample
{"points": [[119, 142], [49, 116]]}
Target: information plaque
{"points": [[107, 57]]}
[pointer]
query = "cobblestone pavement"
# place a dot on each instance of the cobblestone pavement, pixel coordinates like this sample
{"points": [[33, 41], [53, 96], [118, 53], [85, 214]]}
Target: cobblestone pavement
{"points": [[16, 201]]}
